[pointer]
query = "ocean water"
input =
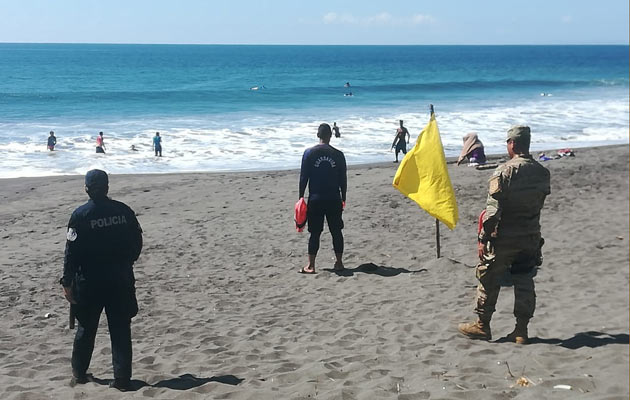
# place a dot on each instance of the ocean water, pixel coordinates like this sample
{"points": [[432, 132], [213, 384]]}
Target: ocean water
{"points": [[200, 100]]}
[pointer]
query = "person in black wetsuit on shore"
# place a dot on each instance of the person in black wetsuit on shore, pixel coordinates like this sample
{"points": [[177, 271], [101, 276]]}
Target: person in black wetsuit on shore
{"points": [[324, 170]]}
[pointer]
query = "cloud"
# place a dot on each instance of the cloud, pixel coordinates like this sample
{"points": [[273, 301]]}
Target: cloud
{"points": [[381, 19], [330, 18], [419, 19], [567, 19], [334, 18]]}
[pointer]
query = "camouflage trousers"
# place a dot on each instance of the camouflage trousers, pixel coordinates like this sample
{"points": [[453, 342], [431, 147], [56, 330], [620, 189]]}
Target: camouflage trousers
{"points": [[499, 259]]}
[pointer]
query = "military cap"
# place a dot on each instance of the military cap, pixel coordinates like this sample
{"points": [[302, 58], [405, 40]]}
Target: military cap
{"points": [[519, 133], [96, 179]]}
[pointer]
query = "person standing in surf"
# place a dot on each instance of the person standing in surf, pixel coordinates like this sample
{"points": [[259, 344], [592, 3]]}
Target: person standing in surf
{"points": [[52, 141], [157, 144], [100, 143], [335, 129]]}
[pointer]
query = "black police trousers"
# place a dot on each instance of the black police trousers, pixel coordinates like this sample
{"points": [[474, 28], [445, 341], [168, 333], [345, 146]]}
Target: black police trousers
{"points": [[119, 323]]}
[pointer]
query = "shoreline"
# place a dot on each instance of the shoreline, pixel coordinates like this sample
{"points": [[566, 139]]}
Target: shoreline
{"points": [[449, 160], [224, 313]]}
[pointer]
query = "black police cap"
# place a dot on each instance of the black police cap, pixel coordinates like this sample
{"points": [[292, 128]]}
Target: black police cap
{"points": [[96, 179]]}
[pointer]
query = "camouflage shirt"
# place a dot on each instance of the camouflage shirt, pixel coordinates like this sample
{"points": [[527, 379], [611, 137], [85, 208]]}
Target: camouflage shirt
{"points": [[516, 194]]}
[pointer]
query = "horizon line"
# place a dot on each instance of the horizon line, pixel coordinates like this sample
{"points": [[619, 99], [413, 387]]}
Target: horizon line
{"points": [[328, 44]]}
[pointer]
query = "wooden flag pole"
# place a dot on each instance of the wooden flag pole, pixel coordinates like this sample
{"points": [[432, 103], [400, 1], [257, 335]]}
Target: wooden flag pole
{"points": [[437, 222]]}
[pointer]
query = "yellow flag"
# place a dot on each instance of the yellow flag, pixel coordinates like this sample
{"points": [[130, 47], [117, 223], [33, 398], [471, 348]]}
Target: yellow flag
{"points": [[423, 176]]}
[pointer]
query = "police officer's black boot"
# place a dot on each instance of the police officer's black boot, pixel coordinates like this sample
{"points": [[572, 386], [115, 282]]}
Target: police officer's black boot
{"points": [[79, 379]]}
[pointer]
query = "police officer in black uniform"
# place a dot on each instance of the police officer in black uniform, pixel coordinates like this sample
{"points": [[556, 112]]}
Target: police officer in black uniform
{"points": [[104, 239]]}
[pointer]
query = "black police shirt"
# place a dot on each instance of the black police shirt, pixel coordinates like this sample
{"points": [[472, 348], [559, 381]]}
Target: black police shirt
{"points": [[102, 235]]}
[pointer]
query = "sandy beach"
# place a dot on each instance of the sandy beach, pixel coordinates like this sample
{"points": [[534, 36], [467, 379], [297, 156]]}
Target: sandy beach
{"points": [[224, 315]]}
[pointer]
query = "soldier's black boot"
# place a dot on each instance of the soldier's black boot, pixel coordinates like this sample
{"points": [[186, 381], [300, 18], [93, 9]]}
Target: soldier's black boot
{"points": [[519, 334]]}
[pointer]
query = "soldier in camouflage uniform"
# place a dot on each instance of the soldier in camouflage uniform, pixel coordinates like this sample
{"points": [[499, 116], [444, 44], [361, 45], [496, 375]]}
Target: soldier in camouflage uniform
{"points": [[510, 238]]}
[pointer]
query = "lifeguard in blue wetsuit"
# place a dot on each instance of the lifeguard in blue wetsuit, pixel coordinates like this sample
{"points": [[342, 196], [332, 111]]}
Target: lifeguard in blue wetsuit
{"points": [[324, 170]]}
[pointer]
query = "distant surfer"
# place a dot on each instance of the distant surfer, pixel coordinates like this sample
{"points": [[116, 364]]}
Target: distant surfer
{"points": [[335, 129], [347, 84], [399, 140], [348, 94], [157, 144], [52, 141], [133, 148], [257, 87], [100, 143]]}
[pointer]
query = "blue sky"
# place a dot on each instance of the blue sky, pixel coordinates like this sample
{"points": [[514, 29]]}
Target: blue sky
{"points": [[316, 21]]}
